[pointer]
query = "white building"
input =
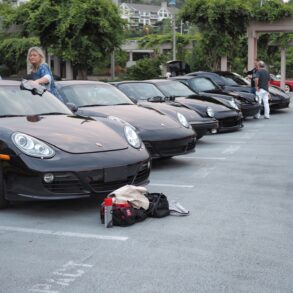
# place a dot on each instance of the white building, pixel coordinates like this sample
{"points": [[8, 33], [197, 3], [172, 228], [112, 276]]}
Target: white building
{"points": [[143, 14]]}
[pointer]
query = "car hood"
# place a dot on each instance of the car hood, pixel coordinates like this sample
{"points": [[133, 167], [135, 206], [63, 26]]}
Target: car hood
{"points": [[200, 105], [171, 109], [138, 116], [276, 92], [71, 134], [246, 89]]}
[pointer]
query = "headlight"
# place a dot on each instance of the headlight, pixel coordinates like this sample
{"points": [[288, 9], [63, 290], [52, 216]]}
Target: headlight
{"points": [[182, 119], [132, 137], [234, 105], [32, 146], [256, 98], [117, 119], [210, 112]]}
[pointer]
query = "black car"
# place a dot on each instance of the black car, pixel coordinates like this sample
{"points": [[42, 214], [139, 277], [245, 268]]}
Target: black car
{"points": [[231, 82], [162, 135], [279, 99], [149, 96], [205, 87], [229, 119], [47, 153]]}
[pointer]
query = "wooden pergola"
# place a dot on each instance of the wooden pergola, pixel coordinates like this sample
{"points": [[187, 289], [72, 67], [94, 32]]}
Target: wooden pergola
{"points": [[253, 30]]}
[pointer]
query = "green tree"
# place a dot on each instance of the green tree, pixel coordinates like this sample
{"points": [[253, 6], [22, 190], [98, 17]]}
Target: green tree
{"points": [[155, 41], [221, 24], [82, 32], [146, 68], [13, 52]]}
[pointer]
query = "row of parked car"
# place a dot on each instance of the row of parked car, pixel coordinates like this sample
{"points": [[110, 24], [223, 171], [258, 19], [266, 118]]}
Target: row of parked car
{"points": [[104, 136]]}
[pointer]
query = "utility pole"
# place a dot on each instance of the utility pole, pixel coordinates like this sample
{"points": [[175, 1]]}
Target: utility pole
{"points": [[172, 3], [116, 2]]}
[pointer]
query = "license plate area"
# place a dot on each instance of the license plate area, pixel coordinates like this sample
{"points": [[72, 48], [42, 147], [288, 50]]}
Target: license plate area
{"points": [[115, 174]]}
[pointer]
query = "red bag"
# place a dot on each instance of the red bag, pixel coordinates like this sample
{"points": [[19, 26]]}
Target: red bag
{"points": [[123, 214]]}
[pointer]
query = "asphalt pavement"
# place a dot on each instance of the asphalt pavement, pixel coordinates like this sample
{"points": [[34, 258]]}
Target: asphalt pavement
{"points": [[237, 238]]}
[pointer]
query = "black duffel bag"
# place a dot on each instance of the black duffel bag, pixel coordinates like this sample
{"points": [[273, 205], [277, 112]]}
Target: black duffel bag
{"points": [[159, 205]]}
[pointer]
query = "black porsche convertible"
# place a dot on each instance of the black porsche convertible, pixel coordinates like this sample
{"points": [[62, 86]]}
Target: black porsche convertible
{"points": [[149, 96], [206, 88], [47, 153], [163, 136], [229, 118]]}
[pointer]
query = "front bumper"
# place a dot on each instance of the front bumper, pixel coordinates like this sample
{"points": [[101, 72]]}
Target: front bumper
{"points": [[229, 120], [201, 128], [170, 148], [91, 175], [250, 110], [279, 103]]}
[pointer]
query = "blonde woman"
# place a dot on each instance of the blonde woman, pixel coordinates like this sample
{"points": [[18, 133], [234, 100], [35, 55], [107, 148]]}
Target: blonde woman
{"points": [[40, 71]]}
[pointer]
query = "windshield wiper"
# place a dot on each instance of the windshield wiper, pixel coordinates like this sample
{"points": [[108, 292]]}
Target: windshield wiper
{"points": [[122, 104], [52, 113], [93, 105], [11, 115]]}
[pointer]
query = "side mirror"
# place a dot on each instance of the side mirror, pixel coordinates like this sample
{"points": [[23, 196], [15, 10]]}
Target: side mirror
{"points": [[72, 107], [156, 99]]}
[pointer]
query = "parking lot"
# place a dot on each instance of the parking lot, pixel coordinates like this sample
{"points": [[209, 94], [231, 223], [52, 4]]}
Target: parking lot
{"points": [[237, 238]]}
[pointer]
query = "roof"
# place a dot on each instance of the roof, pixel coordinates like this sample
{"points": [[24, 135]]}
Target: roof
{"points": [[148, 8], [9, 82], [78, 82], [183, 77]]}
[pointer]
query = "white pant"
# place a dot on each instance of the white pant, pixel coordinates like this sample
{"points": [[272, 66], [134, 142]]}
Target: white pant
{"points": [[263, 96]]}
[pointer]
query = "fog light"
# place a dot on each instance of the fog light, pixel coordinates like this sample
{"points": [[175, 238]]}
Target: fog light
{"points": [[214, 130], [48, 177]]}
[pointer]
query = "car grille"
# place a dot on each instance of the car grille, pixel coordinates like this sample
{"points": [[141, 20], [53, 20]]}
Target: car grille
{"points": [[150, 148], [170, 148], [65, 183], [143, 174], [230, 122], [93, 181], [99, 186]]}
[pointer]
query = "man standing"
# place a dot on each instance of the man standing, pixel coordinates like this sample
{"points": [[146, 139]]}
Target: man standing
{"points": [[252, 73], [262, 79]]}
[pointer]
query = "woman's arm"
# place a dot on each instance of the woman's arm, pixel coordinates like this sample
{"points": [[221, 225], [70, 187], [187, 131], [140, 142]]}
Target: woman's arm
{"points": [[45, 74]]}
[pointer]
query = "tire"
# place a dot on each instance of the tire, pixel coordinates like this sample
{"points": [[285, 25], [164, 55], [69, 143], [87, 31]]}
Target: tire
{"points": [[3, 201]]}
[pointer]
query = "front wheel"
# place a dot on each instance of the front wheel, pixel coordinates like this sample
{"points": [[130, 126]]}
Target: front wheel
{"points": [[3, 201]]}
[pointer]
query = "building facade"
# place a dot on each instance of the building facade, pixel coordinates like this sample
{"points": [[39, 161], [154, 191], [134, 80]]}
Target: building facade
{"points": [[139, 15]]}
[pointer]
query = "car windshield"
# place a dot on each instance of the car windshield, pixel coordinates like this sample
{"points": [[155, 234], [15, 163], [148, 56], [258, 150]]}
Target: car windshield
{"points": [[175, 89], [17, 102], [233, 80], [140, 91], [85, 95], [202, 84]]}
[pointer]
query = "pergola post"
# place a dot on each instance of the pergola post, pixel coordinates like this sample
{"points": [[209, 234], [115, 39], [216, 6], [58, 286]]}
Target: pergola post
{"points": [[57, 69], [252, 49], [284, 25], [69, 71], [224, 66], [283, 67]]}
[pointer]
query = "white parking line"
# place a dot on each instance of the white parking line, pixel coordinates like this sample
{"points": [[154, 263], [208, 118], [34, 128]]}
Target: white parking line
{"points": [[248, 135], [63, 234], [205, 158], [171, 185], [231, 150], [231, 142]]}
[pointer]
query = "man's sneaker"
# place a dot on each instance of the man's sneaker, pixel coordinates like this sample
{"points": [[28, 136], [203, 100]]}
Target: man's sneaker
{"points": [[267, 117]]}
